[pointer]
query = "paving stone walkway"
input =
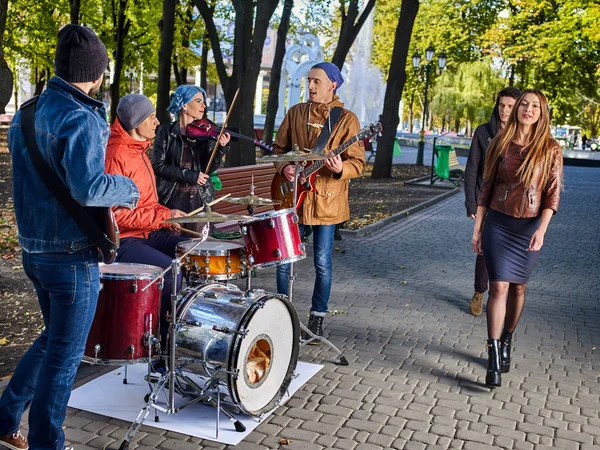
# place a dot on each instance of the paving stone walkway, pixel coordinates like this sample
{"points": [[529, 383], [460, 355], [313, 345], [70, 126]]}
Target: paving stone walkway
{"points": [[417, 357]]}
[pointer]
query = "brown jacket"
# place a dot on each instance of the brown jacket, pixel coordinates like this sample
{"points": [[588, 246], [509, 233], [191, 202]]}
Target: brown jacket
{"points": [[328, 205], [506, 194]]}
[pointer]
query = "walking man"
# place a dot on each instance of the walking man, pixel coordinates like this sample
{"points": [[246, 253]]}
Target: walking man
{"points": [[505, 101]]}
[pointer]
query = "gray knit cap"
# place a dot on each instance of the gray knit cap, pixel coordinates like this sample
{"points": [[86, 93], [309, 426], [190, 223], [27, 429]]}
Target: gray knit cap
{"points": [[80, 55], [133, 109]]}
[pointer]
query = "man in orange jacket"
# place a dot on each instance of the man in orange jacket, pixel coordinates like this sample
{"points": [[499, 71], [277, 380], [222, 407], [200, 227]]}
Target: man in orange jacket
{"points": [[145, 237]]}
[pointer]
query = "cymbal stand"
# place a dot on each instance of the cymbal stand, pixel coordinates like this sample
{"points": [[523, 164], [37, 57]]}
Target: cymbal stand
{"points": [[251, 210], [342, 361], [168, 379]]}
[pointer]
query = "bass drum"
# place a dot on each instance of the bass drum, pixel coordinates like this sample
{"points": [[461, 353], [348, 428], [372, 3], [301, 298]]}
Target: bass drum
{"points": [[248, 342]]}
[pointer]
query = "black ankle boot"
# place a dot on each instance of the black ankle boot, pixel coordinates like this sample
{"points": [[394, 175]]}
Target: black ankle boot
{"points": [[315, 326], [505, 342], [493, 377]]}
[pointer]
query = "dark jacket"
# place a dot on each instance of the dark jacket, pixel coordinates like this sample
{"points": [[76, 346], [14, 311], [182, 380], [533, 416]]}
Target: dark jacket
{"points": [[166, 162], [476, 161], [502, 194]]}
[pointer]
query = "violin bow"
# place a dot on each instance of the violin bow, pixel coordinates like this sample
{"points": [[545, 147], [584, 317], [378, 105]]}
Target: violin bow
{"points": [[212, 157]]}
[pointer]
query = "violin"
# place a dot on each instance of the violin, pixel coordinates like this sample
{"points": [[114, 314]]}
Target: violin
{"points": [[205, 128]]}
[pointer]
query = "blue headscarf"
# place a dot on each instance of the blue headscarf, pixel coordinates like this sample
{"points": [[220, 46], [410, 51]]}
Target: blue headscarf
{"points": [[333, 73], [182, 96]]}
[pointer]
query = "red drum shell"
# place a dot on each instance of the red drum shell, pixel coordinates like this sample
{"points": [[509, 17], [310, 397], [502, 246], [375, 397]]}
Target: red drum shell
{"points": [[122, 318], [273, 238]]}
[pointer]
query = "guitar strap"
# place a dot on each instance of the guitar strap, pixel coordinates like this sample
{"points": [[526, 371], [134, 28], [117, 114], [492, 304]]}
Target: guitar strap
{"points": [[328, 127], [79, 213]]}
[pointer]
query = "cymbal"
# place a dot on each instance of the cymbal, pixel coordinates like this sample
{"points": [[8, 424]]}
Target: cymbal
{"points": [[293, 156], [211, 216], [252, 200]]}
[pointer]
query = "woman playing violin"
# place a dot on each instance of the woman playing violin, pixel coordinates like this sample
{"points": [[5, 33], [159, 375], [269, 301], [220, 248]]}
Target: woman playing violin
{"points": [[179, 161]]}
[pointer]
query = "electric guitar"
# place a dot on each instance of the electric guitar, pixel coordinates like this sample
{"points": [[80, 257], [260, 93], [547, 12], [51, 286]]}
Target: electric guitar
{"points": [[283, 190]]}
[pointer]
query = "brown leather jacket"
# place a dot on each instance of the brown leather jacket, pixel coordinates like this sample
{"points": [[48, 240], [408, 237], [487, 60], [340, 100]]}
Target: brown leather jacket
{"points": [[328, 205], [506, 194]]}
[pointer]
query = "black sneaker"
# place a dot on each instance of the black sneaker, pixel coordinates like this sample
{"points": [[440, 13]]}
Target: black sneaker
{"points": [[315, 326]]}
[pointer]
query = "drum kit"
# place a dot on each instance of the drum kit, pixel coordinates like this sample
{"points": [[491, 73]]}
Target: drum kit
{"points": [[230, 348]]}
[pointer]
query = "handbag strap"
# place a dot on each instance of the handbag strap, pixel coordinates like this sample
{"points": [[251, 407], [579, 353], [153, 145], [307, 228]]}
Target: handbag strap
{"points": [[334, 115], [51, 180]]}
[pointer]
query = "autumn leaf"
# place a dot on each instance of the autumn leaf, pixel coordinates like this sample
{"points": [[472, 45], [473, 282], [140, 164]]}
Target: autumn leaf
{"points": [[3, 341], [284, 441]]}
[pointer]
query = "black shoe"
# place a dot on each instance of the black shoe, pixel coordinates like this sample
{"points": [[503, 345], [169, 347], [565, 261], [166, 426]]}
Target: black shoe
{"points": [[315, 326], [505, 342], [493, 377]]}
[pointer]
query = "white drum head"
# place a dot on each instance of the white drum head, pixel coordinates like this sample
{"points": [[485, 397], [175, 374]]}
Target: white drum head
{"points": [[208, 246], [271, 329]]}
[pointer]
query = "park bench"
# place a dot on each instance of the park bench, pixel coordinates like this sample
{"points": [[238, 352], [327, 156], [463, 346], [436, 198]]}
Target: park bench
{"points": [[450, 170], [237, 182]]}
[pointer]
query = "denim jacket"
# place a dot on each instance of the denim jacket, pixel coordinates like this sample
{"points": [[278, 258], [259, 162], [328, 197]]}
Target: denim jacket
{"points": [[71, 133]]}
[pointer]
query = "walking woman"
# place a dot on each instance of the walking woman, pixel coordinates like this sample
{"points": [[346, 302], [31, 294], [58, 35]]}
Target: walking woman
{"points": [[180, 162], [520, 194]]}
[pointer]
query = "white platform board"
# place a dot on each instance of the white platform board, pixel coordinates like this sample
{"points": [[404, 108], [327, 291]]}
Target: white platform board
{"points": [[108, 396]]}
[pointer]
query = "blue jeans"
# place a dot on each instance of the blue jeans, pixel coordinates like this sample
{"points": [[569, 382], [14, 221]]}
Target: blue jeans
{"points": [[323, 248], [67, 286]]}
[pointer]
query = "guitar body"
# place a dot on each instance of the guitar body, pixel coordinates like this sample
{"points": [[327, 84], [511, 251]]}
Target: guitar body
{"points": [[104, 219], [283, 190]]}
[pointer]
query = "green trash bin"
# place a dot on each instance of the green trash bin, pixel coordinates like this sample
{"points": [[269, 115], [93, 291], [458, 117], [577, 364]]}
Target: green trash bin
{"points": [[442, 164]]}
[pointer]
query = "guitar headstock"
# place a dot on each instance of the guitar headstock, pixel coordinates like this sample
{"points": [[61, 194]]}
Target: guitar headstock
{"points": [[373, 129]]}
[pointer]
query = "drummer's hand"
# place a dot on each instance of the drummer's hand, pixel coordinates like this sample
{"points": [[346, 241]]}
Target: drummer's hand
{"points": [[225, 138], [177, 213], [288, 172], [202, 179], [334, 164]]}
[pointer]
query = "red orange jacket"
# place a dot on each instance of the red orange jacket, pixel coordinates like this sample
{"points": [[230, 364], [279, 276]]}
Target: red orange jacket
{"points": [[127, 156]]}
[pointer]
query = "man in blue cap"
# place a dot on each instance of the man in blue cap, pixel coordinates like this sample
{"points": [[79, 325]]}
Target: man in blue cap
{"points": [[327, 205]]}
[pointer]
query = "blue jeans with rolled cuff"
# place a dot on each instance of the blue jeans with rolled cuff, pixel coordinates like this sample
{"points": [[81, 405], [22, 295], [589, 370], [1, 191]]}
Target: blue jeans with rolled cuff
{"points": [[323, 249], [67, 286]]}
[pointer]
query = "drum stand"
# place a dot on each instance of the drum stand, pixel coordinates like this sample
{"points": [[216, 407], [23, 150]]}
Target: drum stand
{"points": [[342, 361], [206, 394]]}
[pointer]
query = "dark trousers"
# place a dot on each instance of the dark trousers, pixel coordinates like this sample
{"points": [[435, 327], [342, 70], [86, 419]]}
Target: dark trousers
{"points": [[481, 275], [158, 250]]}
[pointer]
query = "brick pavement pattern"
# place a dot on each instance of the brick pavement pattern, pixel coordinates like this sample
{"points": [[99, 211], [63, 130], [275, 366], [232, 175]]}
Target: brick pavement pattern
{"points": [[417, 357]]}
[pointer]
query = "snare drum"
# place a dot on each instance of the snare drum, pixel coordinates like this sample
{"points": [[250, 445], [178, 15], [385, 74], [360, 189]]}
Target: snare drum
{"points": [[273, 238], [247, 341], [126, 318], [219, 261]]}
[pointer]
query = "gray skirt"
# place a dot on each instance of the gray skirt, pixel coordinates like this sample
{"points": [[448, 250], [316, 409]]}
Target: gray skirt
{"points": [[505, 241]]}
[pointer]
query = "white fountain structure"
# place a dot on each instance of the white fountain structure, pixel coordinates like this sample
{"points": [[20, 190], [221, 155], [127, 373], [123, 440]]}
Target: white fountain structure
{"points": [[364, 89], [298, 60]]}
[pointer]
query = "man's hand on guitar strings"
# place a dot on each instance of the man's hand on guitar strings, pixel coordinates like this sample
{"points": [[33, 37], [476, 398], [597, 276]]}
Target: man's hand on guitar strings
{"points": [[334, 164]]}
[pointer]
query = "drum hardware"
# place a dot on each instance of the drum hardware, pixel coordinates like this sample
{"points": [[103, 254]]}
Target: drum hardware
{"points": [[198, 346], [342, 361], [227, 330]]}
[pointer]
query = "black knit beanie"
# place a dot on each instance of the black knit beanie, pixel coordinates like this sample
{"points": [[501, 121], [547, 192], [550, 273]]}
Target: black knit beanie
{"points": [[80, 55]]}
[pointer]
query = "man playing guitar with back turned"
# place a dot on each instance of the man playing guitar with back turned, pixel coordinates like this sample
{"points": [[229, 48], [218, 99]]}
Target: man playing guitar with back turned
{"points": [[328, 204]]}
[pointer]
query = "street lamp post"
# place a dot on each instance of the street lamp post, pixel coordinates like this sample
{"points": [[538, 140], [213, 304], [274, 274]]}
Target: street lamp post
{"points": [[426, 70], [130, 73]]}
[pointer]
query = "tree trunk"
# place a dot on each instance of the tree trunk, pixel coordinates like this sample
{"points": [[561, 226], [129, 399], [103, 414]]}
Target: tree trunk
{"points": [[204, 64], [6, 75], [383, 159], [456, 124], [176, 73], [349, 29], [275, 79], [252, 22], [122, 25], [75, 7], [164, 60]]}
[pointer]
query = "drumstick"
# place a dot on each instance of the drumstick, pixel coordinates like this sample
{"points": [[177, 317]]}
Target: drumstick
{"points": [[196, 211], [194, 233]]}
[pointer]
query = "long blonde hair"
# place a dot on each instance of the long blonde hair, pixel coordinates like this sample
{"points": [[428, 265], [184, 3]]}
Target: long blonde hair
{"points": [[539, 148]]}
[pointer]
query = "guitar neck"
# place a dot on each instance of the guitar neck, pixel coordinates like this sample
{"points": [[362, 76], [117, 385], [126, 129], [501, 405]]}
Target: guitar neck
{"points": [[321, 162]]}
